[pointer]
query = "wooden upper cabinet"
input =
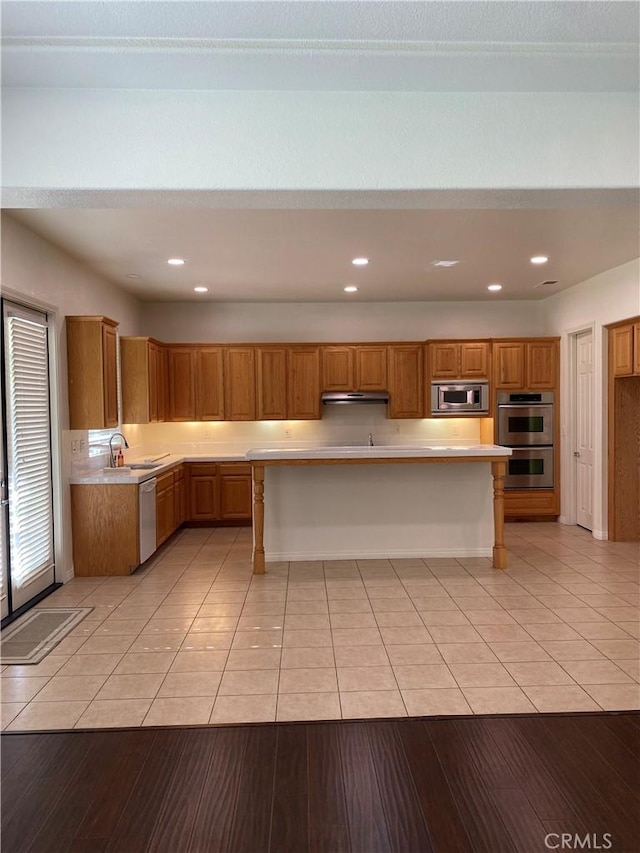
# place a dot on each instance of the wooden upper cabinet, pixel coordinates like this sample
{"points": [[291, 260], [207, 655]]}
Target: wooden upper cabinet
{"points": [[110, 374], [522, 365], [209, 384], [459, 359], [163, 383], [92, 372], [182, 383], [542, 364], [153, 372], [636, 348], [444, 359], [509, 364], [371, 368], [271, 383], [303, 391], [405, 381], [622, 355], [239, 384], [143, 372], [474, 360], [337, 368]]}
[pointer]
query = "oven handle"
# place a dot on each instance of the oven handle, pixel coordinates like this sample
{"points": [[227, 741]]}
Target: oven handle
{"points": [[523, 405]]}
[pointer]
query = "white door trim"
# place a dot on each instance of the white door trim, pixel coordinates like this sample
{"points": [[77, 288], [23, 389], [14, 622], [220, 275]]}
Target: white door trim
{"points": [[569, 429]]}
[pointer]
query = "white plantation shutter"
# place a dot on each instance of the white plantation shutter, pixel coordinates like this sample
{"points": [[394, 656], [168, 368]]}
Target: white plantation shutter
{"points": [[28, 444]]}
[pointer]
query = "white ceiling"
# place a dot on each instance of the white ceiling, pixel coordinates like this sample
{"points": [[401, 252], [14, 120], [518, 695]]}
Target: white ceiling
{"points": [[270, 247], [453, 45], [305, 255]]}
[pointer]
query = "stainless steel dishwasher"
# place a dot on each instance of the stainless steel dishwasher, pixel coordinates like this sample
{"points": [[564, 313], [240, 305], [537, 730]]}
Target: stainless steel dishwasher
{"points": [[147, 518]]}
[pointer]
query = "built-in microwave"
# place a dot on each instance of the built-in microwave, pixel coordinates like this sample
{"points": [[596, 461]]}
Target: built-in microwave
{"points": [[451, 398]]}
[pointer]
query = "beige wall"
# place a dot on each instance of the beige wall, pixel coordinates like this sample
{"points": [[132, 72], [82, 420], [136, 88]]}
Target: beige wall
{"points": [[39, 274], [332, 321], [610, 296]]}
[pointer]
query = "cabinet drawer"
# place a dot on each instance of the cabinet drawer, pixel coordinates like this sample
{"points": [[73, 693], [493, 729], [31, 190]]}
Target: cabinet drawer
{"points": [[203, 469], [164, 481], [235, 468], [522, 503]]}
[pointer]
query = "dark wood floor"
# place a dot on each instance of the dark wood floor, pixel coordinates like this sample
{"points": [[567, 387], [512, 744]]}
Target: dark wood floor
{"points": [[449, 785]]}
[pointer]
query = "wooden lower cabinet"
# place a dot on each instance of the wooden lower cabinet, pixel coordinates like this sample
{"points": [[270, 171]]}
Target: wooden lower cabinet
{"points": [[204, 503], [105, 529], [219, 491], [531, 503], [235, 491], [168, 513]]}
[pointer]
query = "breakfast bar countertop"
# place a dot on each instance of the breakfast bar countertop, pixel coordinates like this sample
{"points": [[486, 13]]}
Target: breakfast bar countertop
{"points": [[385, 451]]}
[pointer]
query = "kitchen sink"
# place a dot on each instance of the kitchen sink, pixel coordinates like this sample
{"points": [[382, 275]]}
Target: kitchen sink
{"points": [[144, 465]]}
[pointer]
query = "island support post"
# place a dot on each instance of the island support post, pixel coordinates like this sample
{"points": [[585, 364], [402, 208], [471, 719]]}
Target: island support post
{"points": [[498, 469], [258, 519]]}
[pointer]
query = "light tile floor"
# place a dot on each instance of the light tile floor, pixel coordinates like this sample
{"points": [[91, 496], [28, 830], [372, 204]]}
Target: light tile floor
{"points": [[196, 638]]}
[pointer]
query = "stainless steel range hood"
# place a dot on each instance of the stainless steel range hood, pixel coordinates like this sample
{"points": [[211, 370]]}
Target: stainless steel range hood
{"points": [[352, 398]]}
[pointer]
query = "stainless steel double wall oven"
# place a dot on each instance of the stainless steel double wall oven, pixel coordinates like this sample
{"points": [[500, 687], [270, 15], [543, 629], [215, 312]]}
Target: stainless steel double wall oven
{"points": [[526, 424]]}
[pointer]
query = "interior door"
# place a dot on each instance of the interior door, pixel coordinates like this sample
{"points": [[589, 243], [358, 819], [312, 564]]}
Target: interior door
{"points": [[29, 551], [583, 453]]}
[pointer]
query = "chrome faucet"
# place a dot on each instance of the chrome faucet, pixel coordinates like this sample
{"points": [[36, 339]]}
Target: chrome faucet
{"points": [[112, 460], [370, 440]]}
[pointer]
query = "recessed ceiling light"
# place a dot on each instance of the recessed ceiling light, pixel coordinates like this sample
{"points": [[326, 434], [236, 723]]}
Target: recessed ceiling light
{"points": [[176, 262], [445, 263], [494, 287], [360, 262], [539, 259], [201, 289], [350, 288]]}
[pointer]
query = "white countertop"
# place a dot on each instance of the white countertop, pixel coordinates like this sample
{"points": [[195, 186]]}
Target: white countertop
{"points": [[133, 476], [388, 451]]}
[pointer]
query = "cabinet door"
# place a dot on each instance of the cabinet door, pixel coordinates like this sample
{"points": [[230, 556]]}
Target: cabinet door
{"points": [[235, 491], [444, 358], [110, 375], [405, 382], [203, 498], [636, 348], [178, 501], [371, 369], [541, 364], [135, 370], [303, 390], [92, 372], [622, 350], [271, 386], [165, 514], [337, 369], [474, 360], [182, 389], [239, 384], [152, 388], [162, 387], [509, 364], [209, 396]]}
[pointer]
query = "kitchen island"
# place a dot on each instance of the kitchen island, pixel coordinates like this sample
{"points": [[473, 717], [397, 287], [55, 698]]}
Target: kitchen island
{"points": [[339, 503]]}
